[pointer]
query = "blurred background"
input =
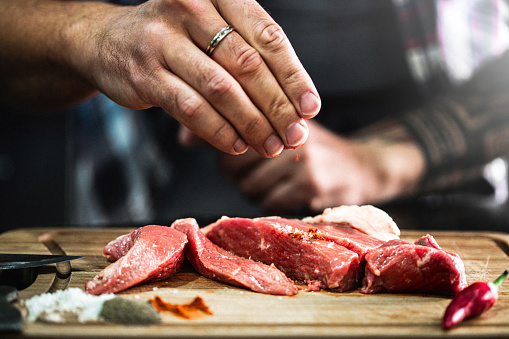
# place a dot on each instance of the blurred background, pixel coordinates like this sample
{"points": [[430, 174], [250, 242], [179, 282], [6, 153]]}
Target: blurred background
{"points": [[32, 169], [33, 190], [118, 167]]}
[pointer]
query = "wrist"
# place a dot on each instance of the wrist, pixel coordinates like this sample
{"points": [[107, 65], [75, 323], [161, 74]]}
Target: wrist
{"points": [[81, 38], [398, 162]]}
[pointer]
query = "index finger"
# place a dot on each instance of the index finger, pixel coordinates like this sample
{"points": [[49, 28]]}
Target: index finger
{"points": [[266, 36]]}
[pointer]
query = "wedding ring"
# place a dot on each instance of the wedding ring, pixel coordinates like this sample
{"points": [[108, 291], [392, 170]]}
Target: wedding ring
{"points": [[217, 39]]}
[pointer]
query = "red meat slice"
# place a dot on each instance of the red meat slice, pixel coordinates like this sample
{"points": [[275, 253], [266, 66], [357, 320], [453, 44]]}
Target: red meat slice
{"points": [[398, 266], [302, 254], [148, 253], [217, 264], [342, 234]]}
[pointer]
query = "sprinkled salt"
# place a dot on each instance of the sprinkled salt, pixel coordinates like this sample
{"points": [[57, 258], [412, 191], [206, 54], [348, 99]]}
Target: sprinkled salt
{"points": [[71, 301]]}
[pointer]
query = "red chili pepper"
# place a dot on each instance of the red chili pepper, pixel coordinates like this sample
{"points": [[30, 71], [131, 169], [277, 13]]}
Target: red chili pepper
{"points": [[472, 301]]}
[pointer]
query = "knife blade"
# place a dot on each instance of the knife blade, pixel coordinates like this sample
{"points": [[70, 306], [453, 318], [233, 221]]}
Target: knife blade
{"points": [[15, 261]]}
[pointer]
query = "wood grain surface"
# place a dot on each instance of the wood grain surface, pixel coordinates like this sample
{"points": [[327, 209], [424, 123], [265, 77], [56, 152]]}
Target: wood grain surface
{"points": [[241, 313]]}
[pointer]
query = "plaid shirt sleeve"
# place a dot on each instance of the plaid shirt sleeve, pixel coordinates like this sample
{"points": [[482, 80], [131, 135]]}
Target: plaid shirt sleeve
{"points": [[456, 50]]}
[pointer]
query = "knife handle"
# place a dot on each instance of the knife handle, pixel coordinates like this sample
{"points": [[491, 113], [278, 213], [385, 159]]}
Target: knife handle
{"points": [[19, 278], [10, 317]]}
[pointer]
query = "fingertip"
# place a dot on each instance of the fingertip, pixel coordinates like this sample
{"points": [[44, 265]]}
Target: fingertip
{"points": [[297, 134], [185, 136], [240, 146], [310, 105], [273, 146]]}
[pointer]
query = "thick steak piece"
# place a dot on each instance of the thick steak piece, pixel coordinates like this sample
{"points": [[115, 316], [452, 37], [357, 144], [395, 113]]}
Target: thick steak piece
{"points": [[340, 233], [217, 264], [148, 253], [423, 267], [303, 256]]}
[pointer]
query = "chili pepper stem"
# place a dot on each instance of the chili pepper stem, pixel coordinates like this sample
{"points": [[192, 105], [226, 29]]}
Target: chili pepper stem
{"points": [[500, 279]]}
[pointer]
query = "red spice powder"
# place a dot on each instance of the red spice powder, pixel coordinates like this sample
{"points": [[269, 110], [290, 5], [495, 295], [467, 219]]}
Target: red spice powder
{"points": [[315, 234], [312, 233], [193, 310]]}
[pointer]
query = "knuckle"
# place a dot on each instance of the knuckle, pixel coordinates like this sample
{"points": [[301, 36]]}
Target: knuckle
{"points": [[182, 6], [270, 36], [217, 86], [252, 127], [247, 61], [189, 106], [293, 77], [279, 106], [220, 132]]}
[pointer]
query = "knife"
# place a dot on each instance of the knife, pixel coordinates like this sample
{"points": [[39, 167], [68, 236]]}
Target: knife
{"points": [[16, 270], [10, 317], [15, 261]]}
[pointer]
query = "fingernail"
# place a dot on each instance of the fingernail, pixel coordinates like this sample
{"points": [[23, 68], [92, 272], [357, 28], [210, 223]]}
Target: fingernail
{"points": [[240, 146], [297, 134], [309, 104], [273, 145]]}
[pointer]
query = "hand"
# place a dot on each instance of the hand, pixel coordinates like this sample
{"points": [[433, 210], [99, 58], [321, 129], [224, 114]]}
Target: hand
{"points": [[252, 91], [328, 171]]}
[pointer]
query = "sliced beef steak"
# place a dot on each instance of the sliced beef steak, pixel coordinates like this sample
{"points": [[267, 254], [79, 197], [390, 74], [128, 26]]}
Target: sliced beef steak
{"points": [[342, 234], [148, 253], [217, 264], [423, 267], [301, 253]]}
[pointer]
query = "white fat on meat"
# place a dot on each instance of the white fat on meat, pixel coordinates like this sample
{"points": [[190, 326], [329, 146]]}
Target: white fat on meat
{"points": [[367, 219]]}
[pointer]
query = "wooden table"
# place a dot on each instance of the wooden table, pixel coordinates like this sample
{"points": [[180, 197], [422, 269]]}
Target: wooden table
{"points": [[241, 313]]}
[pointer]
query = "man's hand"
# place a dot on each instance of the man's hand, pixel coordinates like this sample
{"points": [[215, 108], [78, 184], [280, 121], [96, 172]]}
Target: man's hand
{"points": [[328, 171], [251, 91]]}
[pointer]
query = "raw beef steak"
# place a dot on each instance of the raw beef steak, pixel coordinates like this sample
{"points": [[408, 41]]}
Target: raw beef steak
{"points": [[423, 267], [148, 253], [341, 234], [215, 263], [303, 255]]}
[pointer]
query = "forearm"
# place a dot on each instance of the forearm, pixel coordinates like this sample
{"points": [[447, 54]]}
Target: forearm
{"points": [[461, 132], [42, 43]]}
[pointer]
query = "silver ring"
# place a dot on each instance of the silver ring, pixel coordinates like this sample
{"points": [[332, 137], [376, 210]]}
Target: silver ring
{"points": [[217, 39]]}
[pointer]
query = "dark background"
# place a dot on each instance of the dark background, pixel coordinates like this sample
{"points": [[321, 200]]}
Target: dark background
{"points": [[32, 169], [33, 180]]}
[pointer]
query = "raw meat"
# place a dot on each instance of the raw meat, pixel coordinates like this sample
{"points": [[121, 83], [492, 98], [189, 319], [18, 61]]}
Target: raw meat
{"points": [[367, 219], [148, 253], [302, 253], [398, 266], [343, 235], [217, 264]]}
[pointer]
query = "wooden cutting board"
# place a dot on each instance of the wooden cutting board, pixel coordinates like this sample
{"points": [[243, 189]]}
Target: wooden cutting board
{"points": [[241, 313]]}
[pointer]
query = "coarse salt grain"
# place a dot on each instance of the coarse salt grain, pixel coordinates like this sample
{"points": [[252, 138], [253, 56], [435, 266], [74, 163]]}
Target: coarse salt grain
{"points": [[71, 301]]}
